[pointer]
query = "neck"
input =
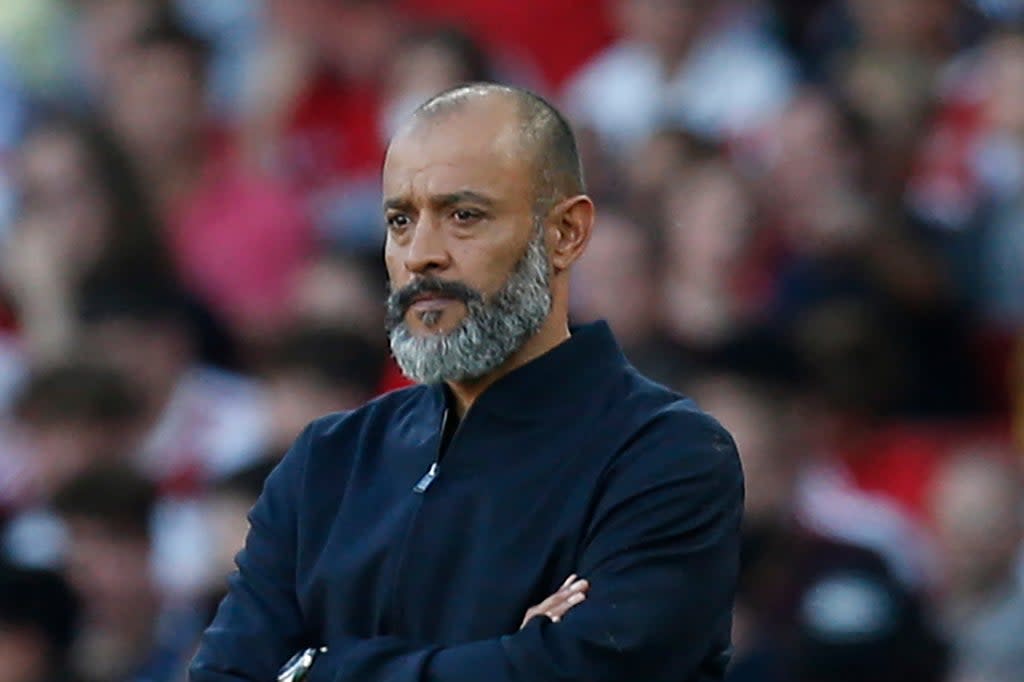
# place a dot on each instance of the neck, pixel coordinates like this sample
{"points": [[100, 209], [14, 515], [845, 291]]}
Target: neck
{"points": [[554, 332]]}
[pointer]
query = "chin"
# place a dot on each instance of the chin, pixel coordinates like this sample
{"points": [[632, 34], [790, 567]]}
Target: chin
{"points": [[433, 323]]}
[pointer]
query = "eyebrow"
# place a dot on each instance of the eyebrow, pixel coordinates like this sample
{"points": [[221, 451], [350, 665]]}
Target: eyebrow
{"points": [[443, 200]]}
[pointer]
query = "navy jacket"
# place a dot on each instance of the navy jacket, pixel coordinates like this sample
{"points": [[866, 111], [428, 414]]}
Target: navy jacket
{"points": [[573, 463]]}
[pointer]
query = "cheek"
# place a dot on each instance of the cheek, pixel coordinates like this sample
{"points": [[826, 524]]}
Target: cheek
{"points": [[485, 264], [393, 262]]}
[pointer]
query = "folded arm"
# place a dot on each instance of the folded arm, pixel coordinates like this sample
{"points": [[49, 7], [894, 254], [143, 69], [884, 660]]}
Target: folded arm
{"points": [[661, 557]]}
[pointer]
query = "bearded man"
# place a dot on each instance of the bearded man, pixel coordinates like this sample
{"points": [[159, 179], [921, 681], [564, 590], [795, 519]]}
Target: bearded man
{"points": [[406, 541]]}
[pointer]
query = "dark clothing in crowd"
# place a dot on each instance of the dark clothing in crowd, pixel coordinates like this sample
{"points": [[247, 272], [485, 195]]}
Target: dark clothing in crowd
{"points": [[828, 610], [573, 463]]}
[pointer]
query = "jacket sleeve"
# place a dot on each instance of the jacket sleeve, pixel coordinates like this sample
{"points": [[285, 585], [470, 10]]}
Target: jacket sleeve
{"points": [[661, 556], [259, 624]]}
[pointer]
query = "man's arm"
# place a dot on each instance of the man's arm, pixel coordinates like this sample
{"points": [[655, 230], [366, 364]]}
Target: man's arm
{"points": [[661, 558]]}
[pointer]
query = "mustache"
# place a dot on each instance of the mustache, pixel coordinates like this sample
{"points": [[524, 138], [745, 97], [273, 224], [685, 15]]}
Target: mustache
{"points": [[399, 300]]}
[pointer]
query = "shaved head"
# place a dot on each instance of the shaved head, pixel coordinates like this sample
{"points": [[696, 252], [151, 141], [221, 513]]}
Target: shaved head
{"points": [[546, 135]]}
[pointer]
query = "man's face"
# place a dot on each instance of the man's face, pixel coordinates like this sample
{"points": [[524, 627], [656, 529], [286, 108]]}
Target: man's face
{"points": [[665, 25], [164, 74], [108, 569], [464, 254]]}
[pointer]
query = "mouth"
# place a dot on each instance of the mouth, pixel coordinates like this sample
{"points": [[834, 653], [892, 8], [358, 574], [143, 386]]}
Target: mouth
{"points": [[429, 302]]}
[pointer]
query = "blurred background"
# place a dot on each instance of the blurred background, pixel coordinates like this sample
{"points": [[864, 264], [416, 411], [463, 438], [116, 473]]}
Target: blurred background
{"points": [[811, 220]]}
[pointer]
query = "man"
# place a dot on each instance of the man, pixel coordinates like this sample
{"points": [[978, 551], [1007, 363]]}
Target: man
{"points": [[131, 631], [409, 537], [313, 370]]}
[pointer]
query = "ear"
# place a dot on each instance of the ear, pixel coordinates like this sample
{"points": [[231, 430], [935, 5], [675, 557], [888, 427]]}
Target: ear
{"points": [[572, 221]]}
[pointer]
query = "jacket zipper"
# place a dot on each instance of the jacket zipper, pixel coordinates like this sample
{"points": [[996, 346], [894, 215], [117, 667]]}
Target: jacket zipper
{"points": [[428, 478], [394, 610]]}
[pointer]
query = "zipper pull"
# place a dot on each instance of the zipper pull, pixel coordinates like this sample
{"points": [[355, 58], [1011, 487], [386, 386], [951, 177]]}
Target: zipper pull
{"points": [[427, 479]]}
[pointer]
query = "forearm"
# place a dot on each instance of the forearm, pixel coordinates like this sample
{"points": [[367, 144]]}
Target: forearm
{"points": [[540, 653]]}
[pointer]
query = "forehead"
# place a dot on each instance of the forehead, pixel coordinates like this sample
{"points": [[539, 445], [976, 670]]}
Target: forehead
{"points": [[480, 148]]}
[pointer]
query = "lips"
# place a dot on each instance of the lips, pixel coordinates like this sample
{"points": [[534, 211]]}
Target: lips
{"points": [[431, 301], [428, 295]]}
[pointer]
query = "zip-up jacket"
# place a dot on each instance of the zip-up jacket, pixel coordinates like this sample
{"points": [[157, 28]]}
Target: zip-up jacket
{"points": [[413, 558]]}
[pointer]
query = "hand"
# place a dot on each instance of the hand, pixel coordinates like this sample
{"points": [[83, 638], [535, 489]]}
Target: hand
{"points": [[571, 593]]}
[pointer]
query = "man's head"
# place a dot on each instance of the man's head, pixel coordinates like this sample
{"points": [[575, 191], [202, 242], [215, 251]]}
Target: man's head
{"points": [[165, 64], [314, 370], [143, 330], [108, 511], [615, 280], [485, 212], [75, 416], [668, 27]]}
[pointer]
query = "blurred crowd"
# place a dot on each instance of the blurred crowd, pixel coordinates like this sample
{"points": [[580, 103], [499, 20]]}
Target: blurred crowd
{"points": [[811, 219]]}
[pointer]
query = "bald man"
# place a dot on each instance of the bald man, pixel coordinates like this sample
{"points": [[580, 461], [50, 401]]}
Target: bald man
{"points": [[535, 509]]}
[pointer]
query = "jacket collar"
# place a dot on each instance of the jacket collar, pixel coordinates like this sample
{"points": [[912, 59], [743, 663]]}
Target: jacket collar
{"points": [[553, 383]]}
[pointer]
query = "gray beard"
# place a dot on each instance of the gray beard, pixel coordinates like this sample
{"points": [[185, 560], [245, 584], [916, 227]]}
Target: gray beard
{"points": [[491, 332]]}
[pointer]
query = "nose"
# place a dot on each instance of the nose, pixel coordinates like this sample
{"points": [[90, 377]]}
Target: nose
{"points": [[426, 251]]}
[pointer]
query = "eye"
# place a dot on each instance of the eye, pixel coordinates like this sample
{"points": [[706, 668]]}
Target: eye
{"points": [[466, 216], [398, 222]]}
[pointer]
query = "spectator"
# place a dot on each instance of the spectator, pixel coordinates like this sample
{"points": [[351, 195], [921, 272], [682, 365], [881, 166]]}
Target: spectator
{"points": [[862, 626], [703, 67], [651, 170], [83, 217], [787, 549], [832, 241], [527, 38], [225, 512], [129, 632], [38, 620], [315, 108], [708, 224], [428, 63], [102, 33], [887, 73], [236, 236], [67, 419], [810, 187], [201, 421], [618, 282], [342, 289], [74, 416], [977, 503], [313, 371]]}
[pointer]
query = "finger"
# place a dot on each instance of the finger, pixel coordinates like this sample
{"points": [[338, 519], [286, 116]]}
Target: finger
{"points": [[556, 603], [556, 613], [563, 594], [581, 585], [568, 581]]}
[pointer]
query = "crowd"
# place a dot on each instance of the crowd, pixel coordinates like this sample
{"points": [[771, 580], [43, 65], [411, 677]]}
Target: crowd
{"points": [[811, 219]]}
